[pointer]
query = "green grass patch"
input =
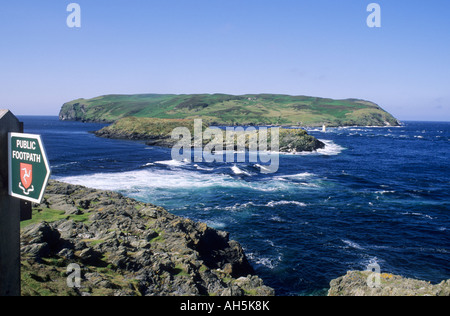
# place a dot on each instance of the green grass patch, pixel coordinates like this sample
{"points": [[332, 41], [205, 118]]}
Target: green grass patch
{"points": [[51, 215]]}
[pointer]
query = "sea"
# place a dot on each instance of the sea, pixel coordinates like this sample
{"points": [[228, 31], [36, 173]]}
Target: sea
{"points": [[372, 196]]}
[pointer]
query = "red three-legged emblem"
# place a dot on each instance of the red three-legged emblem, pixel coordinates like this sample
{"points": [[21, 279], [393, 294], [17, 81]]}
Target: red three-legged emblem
{"points": [[26, 178]]}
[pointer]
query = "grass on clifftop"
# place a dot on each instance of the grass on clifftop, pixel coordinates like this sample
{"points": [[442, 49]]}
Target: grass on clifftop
{"points": [[223, 109], [51, 215], [149, 127]]}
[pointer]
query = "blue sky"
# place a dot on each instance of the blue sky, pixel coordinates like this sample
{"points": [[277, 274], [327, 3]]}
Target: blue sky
{"points": [[315, 47]]}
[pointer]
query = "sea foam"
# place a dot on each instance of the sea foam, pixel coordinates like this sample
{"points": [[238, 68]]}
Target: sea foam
{"points": [[277, 203], [238, 171], [331, 148]]}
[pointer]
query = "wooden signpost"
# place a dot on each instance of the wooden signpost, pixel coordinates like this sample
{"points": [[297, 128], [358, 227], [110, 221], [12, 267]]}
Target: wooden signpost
{"points": [[24, 173]]}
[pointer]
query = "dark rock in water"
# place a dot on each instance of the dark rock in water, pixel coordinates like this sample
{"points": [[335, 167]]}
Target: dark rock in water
{"points": [[125, 247]]}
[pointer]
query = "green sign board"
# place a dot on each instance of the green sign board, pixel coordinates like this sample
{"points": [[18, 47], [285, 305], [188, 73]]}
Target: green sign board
{"points": [[29, 169]]}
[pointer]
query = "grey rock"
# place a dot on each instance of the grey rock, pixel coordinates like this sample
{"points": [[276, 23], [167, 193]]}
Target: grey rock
{"points": [[66, 253], [41, 233], [36, 250], [153, 251], [355, 283]]}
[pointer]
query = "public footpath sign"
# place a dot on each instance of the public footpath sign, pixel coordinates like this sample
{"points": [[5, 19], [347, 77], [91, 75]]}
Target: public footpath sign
{"points": [[29, 169]]}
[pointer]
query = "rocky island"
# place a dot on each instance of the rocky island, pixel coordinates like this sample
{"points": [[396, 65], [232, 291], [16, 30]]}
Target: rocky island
{"points": [[152, 117], [125, 247], [157, 132], [231, 110]]}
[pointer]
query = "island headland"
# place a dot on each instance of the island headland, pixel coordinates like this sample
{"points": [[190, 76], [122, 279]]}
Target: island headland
{"points": [[152, 117], [231, 110]]}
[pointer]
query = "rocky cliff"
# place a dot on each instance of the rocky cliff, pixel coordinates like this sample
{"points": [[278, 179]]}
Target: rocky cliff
{"points": [[355, 283], [125, 247]]}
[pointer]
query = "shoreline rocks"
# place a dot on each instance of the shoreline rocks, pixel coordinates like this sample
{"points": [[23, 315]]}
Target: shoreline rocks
{"points": [[355, 283], [126, 247]]}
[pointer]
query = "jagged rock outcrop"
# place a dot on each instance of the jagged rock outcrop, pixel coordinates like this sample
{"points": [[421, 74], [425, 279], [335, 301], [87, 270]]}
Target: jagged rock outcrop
{"points": [[158, 132], [126, 247], [366, 283]]}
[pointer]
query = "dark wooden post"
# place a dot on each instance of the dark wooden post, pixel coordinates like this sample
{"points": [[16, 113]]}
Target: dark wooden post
{"points": [[9, 214]]}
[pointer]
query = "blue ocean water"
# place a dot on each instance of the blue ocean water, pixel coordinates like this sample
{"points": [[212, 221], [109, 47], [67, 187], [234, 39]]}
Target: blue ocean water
{"points": [[373, 195]]}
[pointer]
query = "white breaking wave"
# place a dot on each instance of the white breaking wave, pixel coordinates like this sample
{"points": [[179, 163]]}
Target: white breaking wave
{"points": [[239, 206], [263, 261], [277, 219], [151, 179], [352, 244], [203, 168], [262, 168], [216, 224], [331, 148], [298, 177], [173, 163], [418, 214], [148, 179], [276, 203], [384, 191], [301, 176], [238, 171]]}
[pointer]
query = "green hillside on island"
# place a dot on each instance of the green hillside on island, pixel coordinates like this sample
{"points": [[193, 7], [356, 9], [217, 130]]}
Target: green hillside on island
{"points": [[224, 109]]}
